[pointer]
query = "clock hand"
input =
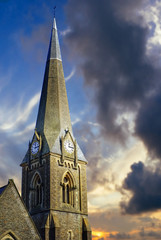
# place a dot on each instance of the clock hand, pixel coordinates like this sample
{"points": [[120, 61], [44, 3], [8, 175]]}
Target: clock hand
{"points": [[70, 145]]}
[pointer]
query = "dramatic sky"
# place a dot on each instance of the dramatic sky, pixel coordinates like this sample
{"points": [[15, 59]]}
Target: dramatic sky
{"points": [[111, 52]]}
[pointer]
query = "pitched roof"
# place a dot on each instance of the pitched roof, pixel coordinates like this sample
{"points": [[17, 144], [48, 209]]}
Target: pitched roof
{"points": [[14, 201]]}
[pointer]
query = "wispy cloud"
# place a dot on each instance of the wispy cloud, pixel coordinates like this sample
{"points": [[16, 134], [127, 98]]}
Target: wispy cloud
{"points": [[19, 114], [65, 32], [26, 130], [70, 75], [15, 130]]}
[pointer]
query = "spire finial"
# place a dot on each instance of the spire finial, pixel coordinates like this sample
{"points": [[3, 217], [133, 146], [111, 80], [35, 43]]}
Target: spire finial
{"points": [[54, 10]]}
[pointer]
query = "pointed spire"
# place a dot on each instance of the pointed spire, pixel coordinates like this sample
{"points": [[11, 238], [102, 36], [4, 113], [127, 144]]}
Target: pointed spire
{"points": [[53, 116], [54, 47], [54, 24]]}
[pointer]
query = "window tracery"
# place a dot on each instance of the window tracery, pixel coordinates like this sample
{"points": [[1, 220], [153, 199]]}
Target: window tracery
{"points": [[68, 189]]}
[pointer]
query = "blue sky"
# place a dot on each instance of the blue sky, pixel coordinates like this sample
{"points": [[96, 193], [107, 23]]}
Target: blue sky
{"points": [[111, 53], [25, 34]]}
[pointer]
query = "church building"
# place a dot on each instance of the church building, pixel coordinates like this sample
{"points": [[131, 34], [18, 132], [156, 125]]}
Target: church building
{"points": [[54, 183]]}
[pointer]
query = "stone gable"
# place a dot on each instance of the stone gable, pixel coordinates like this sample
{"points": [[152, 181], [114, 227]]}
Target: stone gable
{"points": [[15, 221]]}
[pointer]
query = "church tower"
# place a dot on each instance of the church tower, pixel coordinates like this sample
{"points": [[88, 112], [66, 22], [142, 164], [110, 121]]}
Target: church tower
{"points": [[54, 185]]}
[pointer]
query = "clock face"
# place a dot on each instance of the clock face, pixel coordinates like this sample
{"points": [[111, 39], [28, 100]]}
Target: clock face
{"points": [[35, 147], [69, 147]]}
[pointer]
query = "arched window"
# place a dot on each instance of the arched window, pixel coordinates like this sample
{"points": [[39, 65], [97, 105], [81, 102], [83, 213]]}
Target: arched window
{"points": [[36, 192], [68, 189]]}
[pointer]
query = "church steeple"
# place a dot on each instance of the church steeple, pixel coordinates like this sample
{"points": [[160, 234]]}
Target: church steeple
{"points": [[54, 184], [53, 116]]}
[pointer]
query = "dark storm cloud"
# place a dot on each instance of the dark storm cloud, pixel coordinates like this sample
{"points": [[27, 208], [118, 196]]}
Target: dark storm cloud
{"points": [[113, 48], [111, 40], [145, 186], [148, 124], [97, 167]]}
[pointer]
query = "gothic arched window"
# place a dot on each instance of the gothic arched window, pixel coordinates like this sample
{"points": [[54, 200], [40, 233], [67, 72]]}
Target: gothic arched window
{"points": [[68, 189], [36, 192]]}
